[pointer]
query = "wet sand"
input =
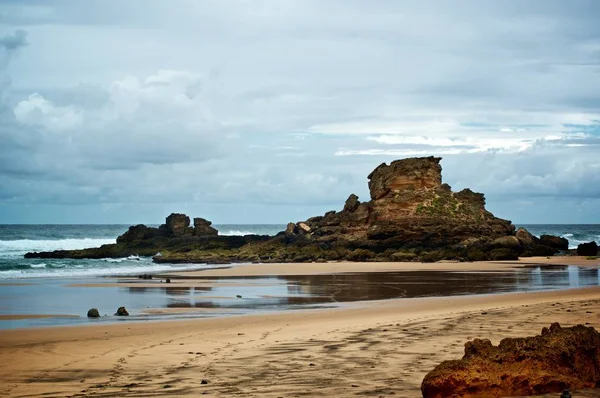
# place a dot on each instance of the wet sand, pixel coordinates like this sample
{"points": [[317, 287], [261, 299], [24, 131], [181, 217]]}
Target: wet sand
{"points": [[377, 348], [148, 300], [339, 267]]}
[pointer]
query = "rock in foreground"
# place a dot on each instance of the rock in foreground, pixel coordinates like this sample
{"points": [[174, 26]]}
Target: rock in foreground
{"points": [[558, 359]]}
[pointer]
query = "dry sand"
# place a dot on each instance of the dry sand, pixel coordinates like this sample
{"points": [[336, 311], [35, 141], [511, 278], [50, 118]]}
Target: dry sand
{"points": [[380, 348]]}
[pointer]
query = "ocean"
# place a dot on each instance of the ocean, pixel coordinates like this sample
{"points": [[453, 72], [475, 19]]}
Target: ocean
{"points": [[16, 240]]}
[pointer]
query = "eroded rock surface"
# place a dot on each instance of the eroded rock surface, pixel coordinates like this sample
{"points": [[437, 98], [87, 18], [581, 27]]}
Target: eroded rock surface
{"points": [[558, 359]]}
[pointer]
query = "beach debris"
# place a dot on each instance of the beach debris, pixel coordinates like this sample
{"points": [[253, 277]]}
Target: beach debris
{"points": [[121, 311], [588, 249], [93, 313], [145, 276], [558, 359], [238, 295], [167, 386]]}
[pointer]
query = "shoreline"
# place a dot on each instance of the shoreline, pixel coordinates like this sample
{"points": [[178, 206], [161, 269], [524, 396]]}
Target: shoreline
{"points": [[379, 347], [368, 348], [272, 287]]}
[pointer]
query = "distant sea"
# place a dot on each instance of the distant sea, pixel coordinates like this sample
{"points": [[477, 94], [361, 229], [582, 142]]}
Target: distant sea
{"points": [[16, 240]]}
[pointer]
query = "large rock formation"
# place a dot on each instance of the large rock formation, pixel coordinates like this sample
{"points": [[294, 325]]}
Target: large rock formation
{"points": [[410, 211], [560, 358], [410, 207], [412, 215]]}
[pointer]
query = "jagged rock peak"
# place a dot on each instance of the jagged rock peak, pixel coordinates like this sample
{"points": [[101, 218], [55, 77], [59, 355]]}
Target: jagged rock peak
{"points": [[405, 174], [352, 203], [178, 224], [202, 227]]}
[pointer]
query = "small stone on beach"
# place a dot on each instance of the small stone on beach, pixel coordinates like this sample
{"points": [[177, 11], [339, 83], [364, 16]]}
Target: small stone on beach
{"points": [[121, 311], [93, 313]]}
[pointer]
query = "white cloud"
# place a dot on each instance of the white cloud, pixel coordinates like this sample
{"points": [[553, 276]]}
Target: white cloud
{"points": [[37, 111]]}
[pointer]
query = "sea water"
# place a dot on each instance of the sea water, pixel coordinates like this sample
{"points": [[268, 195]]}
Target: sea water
{"points": [[16, 240]]}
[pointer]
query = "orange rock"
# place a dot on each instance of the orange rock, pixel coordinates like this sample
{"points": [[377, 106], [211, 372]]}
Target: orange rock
{"points": [[558, 359]]}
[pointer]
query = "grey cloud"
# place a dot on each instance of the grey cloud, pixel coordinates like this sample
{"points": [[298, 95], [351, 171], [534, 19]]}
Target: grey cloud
{"points": [[15, 41], [237, 120]]}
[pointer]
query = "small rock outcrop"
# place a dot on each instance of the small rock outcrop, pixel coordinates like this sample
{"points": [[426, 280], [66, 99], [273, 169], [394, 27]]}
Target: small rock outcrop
{"points": [[558, 359], [121, 311], [177, 225], [555, 242], [587, 249], [203, 227], [93, 313], [351, 204], [526, 238]]}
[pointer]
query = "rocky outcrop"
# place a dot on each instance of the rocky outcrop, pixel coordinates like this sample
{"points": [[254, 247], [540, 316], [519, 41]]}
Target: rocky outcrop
{"points": [[411, 216], [526, 238], [587, 249], [558, 359], [174, 236], [555, 242], [177, 225], [203, 227], [409, 208]]}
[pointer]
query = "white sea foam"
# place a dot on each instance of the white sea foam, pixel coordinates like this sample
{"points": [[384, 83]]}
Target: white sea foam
{"points": [[22, 246], [110, 271], [235, 232]]}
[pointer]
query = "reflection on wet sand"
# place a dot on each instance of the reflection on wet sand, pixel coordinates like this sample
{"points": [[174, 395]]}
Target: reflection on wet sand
{"points": [[220, 296], [284, 292]]}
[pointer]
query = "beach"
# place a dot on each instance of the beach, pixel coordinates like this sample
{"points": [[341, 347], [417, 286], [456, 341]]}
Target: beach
{"points": [[366, 348]]}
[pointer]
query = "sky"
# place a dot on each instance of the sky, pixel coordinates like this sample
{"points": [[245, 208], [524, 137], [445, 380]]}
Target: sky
{"points": [[269, 111]]}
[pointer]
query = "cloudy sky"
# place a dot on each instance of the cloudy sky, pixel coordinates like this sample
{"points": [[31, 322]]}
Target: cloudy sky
{"points": [[268, 111]]}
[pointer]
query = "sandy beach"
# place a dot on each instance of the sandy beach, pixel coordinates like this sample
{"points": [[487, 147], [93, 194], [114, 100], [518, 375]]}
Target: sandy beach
{"points": [[376, 348]]}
